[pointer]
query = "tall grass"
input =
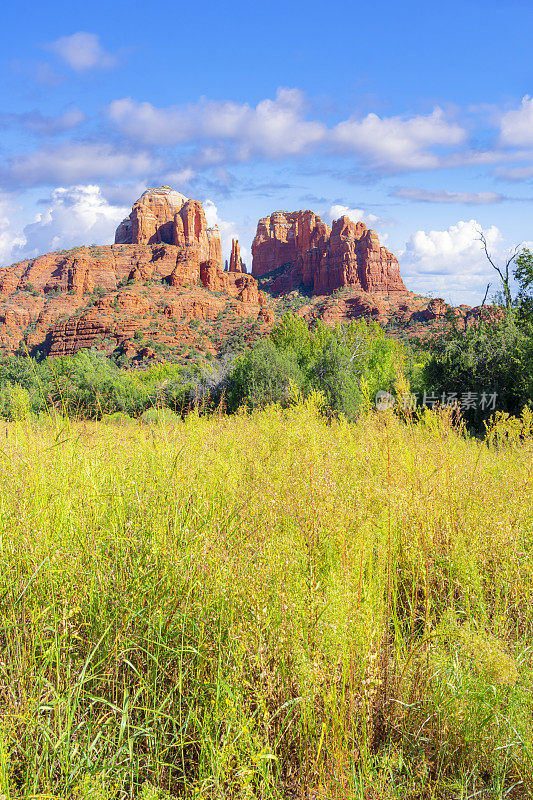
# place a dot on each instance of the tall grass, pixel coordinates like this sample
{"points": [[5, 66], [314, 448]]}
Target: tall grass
{"points": [[267, 605]]}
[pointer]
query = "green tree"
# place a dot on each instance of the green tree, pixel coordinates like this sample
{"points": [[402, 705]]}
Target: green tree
{"points": [[493, 358], [335, 360], [524, 277]]}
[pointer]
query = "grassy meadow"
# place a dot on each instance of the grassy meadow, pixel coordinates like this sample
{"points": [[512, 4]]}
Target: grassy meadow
{"points": [[266, 605]]}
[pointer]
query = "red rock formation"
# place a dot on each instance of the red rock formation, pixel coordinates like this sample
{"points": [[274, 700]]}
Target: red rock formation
{"points": [[155, 290], [152, 218], [235, 263], [169, 240], [236, 284], [163, 250], [407, 312], [84, 268], [321, 258], [163, 215], [166, 269]]}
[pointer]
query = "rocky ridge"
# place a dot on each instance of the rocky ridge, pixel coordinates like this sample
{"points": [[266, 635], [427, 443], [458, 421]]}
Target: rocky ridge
{"points": [[161, 289], [163, 215], [340, 273], [163, 272]]}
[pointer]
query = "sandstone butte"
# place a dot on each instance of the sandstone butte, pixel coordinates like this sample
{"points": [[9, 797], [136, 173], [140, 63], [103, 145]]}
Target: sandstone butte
{"points": [[320, 258], [345, 272], [162, 287], [163, 272]]}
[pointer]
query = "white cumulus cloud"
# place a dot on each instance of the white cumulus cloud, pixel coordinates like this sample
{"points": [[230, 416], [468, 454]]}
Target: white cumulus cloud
{"points": [[74, 216], [355, 214], [215, 133], [279, 128], [82, 51], [273, 128], [451, 263], [10, 239]]}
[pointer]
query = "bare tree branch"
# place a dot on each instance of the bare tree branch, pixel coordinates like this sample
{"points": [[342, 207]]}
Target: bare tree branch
{"points": [[486, 293], [512, 258], [504, 274]]}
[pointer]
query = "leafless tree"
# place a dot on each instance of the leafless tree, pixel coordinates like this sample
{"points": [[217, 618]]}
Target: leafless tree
{"points": [[213, 379], [503, 272]]}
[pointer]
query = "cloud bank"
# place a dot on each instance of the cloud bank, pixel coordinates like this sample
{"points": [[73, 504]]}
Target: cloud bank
{"points": [[279, 128], [450, 262], [72, 216], [73, 162], [190, 140]]}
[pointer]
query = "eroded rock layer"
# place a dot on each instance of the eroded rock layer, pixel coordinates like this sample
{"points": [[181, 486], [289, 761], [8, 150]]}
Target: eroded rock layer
{"points": [[164, 271], [403, 313], [297, 248], [235, 261], [64, 302]]}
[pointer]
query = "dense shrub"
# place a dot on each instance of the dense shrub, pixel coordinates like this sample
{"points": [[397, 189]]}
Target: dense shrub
{"points": [[157, 416], [263, 375], [344, 363], [15, 401], [89, 384], [493, 359], [20, 370]]}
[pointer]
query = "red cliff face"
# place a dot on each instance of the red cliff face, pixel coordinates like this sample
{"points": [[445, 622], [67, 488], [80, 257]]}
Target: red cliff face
{"points": [[164, 269], [163, 215], [321, 258]]}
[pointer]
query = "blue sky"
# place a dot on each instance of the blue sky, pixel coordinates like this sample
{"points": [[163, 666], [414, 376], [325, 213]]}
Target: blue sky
{"points": [[415, 117]]}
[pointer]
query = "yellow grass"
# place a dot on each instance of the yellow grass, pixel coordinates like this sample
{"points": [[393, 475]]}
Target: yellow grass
{"points": [[265, 606]]}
